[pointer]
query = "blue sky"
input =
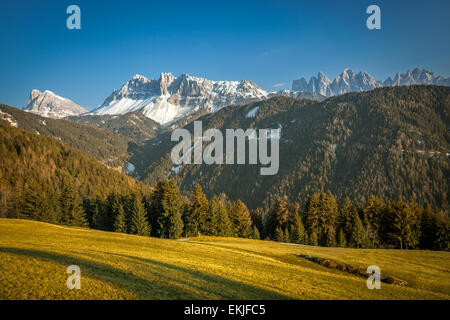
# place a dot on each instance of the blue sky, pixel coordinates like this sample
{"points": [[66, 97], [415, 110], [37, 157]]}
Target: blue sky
{"points": [[268, 42]]}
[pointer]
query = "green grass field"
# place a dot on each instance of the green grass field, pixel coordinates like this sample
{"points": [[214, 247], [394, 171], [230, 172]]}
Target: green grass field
{"points": [[34, 257]]}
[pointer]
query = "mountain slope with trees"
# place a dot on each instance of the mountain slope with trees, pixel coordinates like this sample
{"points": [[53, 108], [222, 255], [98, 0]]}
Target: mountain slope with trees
{"points": [[133, 125], [44, 179], [390, 142], [106, 147]]}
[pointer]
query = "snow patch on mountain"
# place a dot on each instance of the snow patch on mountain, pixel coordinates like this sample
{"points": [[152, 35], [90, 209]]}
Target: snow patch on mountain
{"points": [[8, 118], [252, 113]]}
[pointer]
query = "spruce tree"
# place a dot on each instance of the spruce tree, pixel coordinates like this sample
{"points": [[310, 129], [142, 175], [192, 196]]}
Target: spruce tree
{"points": [[279, 234], [98, 216], [240, 219], [330, 236], [31, 203], [357, 235], [139, 224], [167, 208], [281, 215], [223, 225], [312, 215], [373, 218], [404, 224], [195, 218], [77, 215], [286, 237], [442, 235], [342, 241], [313, 239], [120, 223], [298, 231], [67, 201], [346, 217], [257, 218], [255, 234], [71, 207]]}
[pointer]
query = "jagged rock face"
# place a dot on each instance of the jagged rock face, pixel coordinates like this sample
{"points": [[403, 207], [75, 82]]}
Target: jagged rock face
{"points": [[49, 104], [169, 98], [350, 81], [319, 85], [347, 81], [416, 76]]}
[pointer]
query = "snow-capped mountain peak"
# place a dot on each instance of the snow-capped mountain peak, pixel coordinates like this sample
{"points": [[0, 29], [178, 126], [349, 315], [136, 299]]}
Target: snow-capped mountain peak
{"points": [[169, 98], [49, 104]]}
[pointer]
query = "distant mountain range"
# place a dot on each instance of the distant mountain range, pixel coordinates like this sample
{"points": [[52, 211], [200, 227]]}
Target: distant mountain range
{"points": [[350, 81], [169, 98]]}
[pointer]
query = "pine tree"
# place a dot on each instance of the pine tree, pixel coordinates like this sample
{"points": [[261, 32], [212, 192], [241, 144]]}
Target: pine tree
{"points": [[223, 224], [98, 216], [298, 231], [442, 236], [312, 215], [77, 216], [176, 224], [279, 234], [71, 207], [373, 217], [342, 241], [67, 201], [167, 208], [429, 228], [286, 237], [331, 236], [255, 234], [257, 218], [404, 223], [357, 235], [31, 203], [7, 200], [347, 214], [139, 224], [313, 239], [240, 219], [120, 224], [281, 215], [195, 218]]}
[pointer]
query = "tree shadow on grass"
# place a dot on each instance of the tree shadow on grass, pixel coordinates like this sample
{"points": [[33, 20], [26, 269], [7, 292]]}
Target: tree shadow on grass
{"points": [[218, 286], [147, 289]]}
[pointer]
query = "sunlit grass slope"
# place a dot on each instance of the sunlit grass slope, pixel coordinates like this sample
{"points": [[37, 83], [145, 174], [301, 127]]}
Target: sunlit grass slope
{"points": [[34, 257]]}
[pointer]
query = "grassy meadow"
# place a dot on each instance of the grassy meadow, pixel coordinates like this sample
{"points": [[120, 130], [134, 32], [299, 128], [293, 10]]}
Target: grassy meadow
{"points": [[34, 257]]}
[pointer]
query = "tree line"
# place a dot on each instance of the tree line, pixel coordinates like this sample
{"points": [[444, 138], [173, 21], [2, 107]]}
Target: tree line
{"points": [[166, 213], [377, 224], [163, 213]]}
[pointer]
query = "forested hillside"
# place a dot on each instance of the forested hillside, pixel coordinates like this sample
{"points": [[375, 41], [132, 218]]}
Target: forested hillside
{"points": [[389, 142], [108, 148], [44, 179], [134, 125]]}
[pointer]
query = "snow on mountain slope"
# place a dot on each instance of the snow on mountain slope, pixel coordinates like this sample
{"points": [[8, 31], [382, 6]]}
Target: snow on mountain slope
{"points": [[49, 104], [170, 98]]}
